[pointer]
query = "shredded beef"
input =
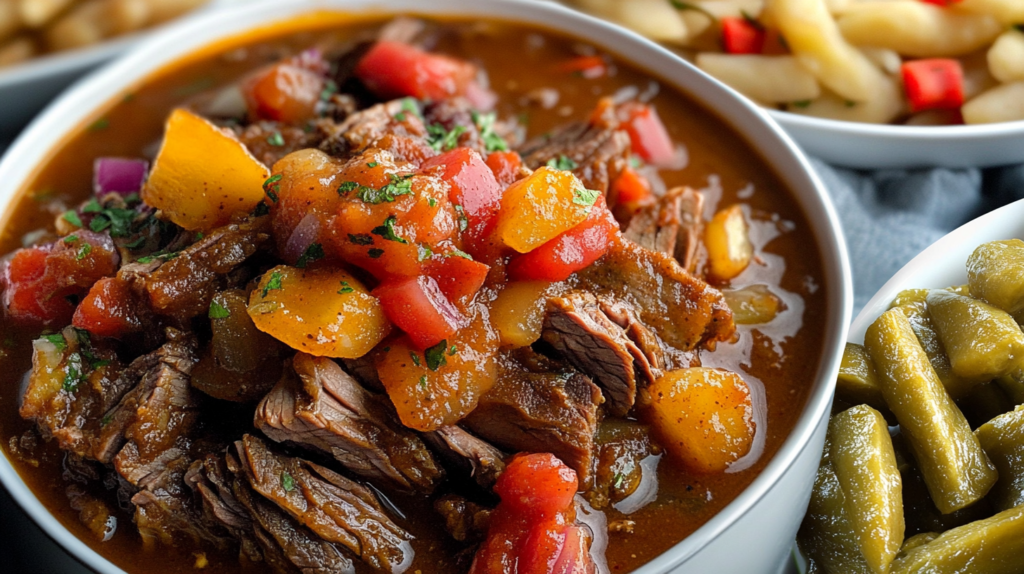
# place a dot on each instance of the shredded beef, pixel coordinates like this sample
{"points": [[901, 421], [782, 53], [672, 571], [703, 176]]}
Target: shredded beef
{"points": [[600, 151], [470, 455]]}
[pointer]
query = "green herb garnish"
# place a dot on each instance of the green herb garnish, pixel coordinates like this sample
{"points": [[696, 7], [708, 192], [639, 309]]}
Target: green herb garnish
{"points": [[375, 253], [330, 88], [287, 482], [83, 252], [583, 196], [360, 239], [314, 252], [273, 284], [58, 341], [272, 187], [562, 162], [74, 374], [423, 253], [72, 218], [70, 239], [415, 358], [452, 351], [485, 123], [276, 139], [459, 253], [92, 206], [435, 355], [347, 187], [463, 220], [372, 164], [423, 382], [399, 185], [345, 288], [387, 231], [218, 311], [442, 139]]}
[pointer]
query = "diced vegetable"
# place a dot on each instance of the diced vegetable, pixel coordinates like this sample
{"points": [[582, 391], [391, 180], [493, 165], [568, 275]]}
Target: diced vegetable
{"points": [[286, 93], [934, 84], [994, 272], [648, 135], [754, 305], [728, 243], [419, 307], [458, 278], [192, 188], [631, 188], [323, 312], [118, 175], [393, 70], [110, 309], [589, 67], [571, 251], [26, 297], [858, 381], [506, 166], [916, 310], [474, 188], [306, 186], [441, 384], [990, 546], [705, 417], [982, 341], [518, 312], [742, 36], [1002, 439], [539, 485], [538, 208]]}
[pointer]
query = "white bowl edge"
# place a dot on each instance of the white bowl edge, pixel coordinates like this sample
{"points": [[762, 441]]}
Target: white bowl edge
{"points": [[197, 31]]}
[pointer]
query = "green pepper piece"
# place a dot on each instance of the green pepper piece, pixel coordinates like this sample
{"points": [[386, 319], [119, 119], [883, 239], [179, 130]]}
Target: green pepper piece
{"points": [[954, 466]]}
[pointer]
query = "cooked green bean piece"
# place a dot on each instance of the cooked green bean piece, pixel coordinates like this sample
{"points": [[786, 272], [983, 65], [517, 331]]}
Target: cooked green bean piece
{"points": [[921, 323], [1003, 441], [954, 466], [857, 382], [865, 465], [995, 272], [990, 546], [913, 296], [984, 404], [826, 535], [982, 342], [915, 541]]}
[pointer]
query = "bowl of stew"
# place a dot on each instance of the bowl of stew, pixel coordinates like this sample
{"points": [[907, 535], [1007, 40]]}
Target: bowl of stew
{"points": [[864, 84], [340, 285]]}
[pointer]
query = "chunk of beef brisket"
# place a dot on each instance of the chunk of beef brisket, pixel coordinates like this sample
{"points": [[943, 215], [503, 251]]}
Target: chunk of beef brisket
{"points": [[469, 454], [257, 138], [541, 410], [333, 507], [365, 128], [599, 149], [327, 409]]}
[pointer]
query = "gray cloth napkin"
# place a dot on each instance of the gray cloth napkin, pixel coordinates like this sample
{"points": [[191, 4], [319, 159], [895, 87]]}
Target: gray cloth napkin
{"points": [[891, 215]]}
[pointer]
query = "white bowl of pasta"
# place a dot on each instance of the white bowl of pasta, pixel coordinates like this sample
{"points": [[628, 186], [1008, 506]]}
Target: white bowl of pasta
{"points": [[861, 83]]}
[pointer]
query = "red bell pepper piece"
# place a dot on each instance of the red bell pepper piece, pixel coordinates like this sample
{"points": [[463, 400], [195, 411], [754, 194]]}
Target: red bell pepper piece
{"points": [[393, 70], [458, 278], [571, 251], [589, 67], [288, 91], [942, 3], [648, 135], [473, 187], [631, 187], [109, 310], [26, 296], [742, 36], [934, 84], [418, 306], [505, 165], [537, 484]]}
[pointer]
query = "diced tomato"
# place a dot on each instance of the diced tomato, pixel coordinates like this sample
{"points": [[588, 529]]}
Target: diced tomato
{"points": [[506, 166], [27, 297], [571, 251], [458, 278], [648, 135], [419, 307], [934, 84], [28, 264], [742, 36], [590, 67], [532, 530], [473, 187], [109, 310], [631, 187], [284, 93], [393, 70]]}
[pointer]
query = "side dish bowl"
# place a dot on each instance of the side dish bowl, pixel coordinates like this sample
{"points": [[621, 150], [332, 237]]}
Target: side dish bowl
{"points": [[752, 534], [871, 146]]}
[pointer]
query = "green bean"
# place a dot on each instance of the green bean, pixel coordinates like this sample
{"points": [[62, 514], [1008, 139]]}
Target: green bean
{"points": [[921, 323], [954, 466], [915, 541], [982, 341], [990, 546], [827, 534], [1003, 441], [995, 273], [914, 296], [857, 382], [864, 463]]}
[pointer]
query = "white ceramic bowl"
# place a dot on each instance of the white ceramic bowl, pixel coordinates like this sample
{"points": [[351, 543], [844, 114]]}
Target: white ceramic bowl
{"points": [[754, 533], [944, 263], [871, 146]]}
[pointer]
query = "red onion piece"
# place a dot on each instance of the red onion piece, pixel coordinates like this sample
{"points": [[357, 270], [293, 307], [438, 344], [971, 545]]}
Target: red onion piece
{"points": [[304, 235], [118, 175]]}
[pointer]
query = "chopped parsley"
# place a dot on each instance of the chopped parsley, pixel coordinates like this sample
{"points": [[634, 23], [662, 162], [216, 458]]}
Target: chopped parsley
{"points": [[399, 185], [165, 255], [132, 198], [408, 106], [137, 243], [442, 139], [583, 196], [423, 382], [272, 187], [618, 480], [218, 311], [463, 220], [273, 284], [423, 253], [431, 202], [70, 239], [345, 288], [372, 164], [72, 218], [347, 187], [99, 125], [387, 231], [562, 162], [314, 252], [83, 252], [287, 482], [435, 355], [74, 374], [375, 253], [58, 341], [415, 358], [360, 239], [485, 123], [276, 139], [92, 206], [106, 419], [200, 235], [117, 220], [452, 351], [459, 253]]}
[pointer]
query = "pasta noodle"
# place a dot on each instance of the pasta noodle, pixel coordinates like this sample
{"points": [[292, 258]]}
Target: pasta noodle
{"points": [[769, 79], [917, 29], [1004, 103]]}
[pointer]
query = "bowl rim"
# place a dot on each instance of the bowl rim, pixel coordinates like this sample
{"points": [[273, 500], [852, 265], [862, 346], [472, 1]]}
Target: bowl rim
{"points": [[191, 34], [913, 134]]}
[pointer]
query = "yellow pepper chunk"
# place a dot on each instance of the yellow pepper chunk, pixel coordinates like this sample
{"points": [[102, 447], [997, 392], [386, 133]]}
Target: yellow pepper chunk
{"points": [[727, 238], [540, 207], [323, 312], [203, 175]]}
